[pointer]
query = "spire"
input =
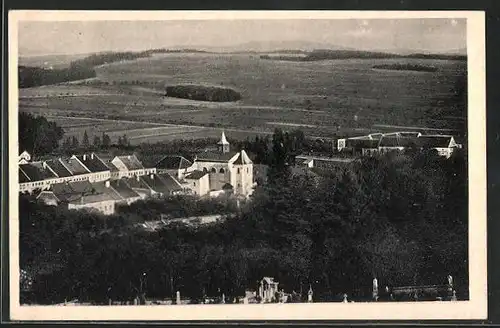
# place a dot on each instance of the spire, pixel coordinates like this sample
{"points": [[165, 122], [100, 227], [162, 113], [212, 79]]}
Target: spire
{"points": [[223, 143]]}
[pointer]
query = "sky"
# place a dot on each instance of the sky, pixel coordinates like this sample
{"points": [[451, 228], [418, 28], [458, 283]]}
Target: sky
{"points": [[76, 37]]}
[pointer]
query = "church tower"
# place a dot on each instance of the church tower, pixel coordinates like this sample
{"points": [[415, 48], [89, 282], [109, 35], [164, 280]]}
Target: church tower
{"points": [[223, 144]]}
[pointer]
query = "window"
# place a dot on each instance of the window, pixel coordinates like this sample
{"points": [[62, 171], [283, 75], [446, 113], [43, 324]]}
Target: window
{"points": [[238, 171], [213, 170], [205, 170], [194, 184], [239, 185], [247, 169], [221, 170]]}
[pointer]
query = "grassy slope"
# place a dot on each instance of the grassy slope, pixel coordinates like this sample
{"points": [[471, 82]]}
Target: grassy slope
{"points": [[323, 94]]}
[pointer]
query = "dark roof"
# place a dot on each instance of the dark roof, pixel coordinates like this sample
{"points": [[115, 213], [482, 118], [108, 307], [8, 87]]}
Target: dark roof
{"points": [[361, 143], [74, 166], [122, 187], [215, 157], [131, 162], [58, 168], [243, 159], [394, 141], [23, 177], [70, 191], [170, 182], [196, 175], [137, 183], [434, 141], [162, 183], [173, 162], [36, 172], [93, 163]]}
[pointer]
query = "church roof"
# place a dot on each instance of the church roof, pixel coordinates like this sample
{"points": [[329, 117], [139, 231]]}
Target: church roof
{"points": [[223, 140], [243, 159], [215, 157]]}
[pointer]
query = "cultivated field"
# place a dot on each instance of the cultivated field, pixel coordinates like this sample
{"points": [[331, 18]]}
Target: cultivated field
{"points": [[323, 98]]}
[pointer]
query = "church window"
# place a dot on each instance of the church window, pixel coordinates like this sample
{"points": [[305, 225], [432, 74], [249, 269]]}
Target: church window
{"points": [[213, 170], [221, 170], [247, 169], [238, 171], [205, 170]]}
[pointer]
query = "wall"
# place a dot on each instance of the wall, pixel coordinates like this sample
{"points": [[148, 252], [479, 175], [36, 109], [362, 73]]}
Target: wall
{"points": [[105, 207]]}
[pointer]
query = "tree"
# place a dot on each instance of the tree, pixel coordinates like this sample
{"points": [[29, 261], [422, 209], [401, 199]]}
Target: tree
{"points": [[106, 140], [75, 144], [37, 135], [97, 142], [85, 141]]}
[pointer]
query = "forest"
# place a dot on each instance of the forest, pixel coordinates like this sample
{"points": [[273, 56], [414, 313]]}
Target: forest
{"points": [[400, 217], [202, 93]]}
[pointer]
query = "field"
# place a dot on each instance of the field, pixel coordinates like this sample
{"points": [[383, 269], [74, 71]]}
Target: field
{"points": [[322, 98]]}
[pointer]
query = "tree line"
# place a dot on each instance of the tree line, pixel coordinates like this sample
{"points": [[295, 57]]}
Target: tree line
{"points": [[401, 218]]}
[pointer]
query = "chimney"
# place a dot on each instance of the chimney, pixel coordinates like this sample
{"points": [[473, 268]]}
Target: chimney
{"points": [[152, 176], [129, 157], [107, 184], [138, 178], [84, 157], [92, 156]]}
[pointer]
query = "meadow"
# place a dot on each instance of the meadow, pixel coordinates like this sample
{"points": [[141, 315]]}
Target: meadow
{"points": [[322, 98]]}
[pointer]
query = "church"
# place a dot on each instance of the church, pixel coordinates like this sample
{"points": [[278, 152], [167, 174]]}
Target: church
{"points": [[226, 169]]}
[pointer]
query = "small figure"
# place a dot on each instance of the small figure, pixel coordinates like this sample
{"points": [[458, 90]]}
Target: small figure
{"points": [[454, 297]]}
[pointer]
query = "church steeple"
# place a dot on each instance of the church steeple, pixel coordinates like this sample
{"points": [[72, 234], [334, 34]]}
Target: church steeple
{"points": [[223, 144]]}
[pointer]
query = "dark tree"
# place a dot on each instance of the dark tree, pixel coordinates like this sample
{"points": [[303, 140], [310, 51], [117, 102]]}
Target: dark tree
{"points": [[75, 144], [37, 135], [106, 140], [85, 141], [97, 142]]}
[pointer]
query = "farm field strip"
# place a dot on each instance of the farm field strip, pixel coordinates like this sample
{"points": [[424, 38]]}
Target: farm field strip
{"points": [[410, 127]]}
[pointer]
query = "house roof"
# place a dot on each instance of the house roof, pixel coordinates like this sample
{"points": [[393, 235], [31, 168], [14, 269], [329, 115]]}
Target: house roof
{"points": [[23, 177], [173, 162], [131, 162], [93, 162], [243, 159], [74, 166], [70, 191], [361, 143], [59, 168], [434, 141], [36, 171], [215, 157], [47, 195], [395, 141], [124, 190], [163, 183], [195, 175], [137, 183], [170, 182]]}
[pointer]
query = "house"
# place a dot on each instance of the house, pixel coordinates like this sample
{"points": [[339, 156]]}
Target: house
{"points": [[156, 185], [35, 175], [198, 182], [128, 166], [323, 162], [225, 166], [445, 145], [390, 143], [99, 171], [100, 196], [268, 290], [125, 191], [175, 165]]}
